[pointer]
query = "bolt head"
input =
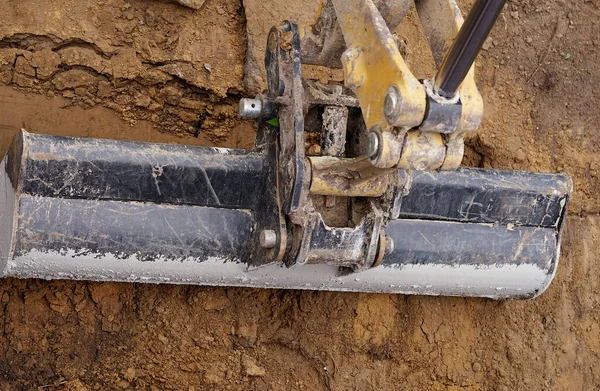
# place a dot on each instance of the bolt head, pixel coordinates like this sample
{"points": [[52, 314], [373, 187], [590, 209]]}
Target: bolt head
{"points": [[250, 108], [373, 145], [392, 105], [267, 238]]}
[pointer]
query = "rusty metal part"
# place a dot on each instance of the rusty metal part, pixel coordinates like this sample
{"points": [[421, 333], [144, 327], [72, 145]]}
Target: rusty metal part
{"points": [[311, 240], [317, 93], [284, 74], [352, 247], [386, 247], [335, 121], [323, 42], [354, 177]]}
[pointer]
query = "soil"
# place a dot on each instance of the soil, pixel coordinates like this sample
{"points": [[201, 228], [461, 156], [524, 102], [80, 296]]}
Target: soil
{"points": [[158, 71]]}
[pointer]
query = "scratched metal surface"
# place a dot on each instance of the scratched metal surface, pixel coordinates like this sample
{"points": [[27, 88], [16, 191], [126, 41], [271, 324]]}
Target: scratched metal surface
{"points": [[118, 170], [64, 216], [488, 196]]}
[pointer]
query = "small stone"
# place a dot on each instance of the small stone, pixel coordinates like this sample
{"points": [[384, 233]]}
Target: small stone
{"points": [[314, 150], [529, 40], [251, 369], [130, 374], [58, 301], [487, 44], [247, 335], [143, 101], [476, 367], [195, 4], [150, 18]]}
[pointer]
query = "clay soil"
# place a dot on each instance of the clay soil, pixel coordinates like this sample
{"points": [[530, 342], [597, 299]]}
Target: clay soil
{"points": [[158, 71]]}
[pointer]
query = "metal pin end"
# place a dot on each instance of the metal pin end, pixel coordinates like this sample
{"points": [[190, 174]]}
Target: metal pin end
{"points": [[267, 238], [250, 108], [392, 105], [372, 145]]}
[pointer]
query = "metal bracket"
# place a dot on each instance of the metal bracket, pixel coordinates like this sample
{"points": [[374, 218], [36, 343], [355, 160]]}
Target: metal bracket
{"points": [[313, 241], [393, 100]]}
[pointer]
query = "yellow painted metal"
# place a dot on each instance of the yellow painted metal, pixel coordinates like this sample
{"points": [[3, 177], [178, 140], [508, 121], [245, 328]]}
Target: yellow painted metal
{"points": [[345, 177], [372, 63], [441, 21], [422, 151], [391, 149]]}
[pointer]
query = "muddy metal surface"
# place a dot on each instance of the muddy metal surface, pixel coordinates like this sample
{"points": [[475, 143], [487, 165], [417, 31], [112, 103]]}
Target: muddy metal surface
{"points": [[159, 71]]}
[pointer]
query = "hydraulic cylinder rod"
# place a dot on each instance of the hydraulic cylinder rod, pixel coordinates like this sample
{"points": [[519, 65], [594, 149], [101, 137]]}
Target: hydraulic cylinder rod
{"points": [[466, 46]]}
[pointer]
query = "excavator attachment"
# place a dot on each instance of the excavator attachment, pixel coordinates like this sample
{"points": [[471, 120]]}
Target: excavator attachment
{"points": [[334, 196], [76, 208]]}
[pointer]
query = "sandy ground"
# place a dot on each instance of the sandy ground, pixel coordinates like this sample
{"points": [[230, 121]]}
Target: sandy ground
{"points": [[158, 71]]}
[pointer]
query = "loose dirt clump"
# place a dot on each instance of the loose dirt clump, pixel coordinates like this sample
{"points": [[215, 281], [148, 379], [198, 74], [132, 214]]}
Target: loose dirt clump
{"points": [[159, 71], [143, 60]]}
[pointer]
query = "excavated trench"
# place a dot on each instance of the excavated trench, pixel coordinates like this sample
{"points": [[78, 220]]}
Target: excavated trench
{"points": [[158, 71]]}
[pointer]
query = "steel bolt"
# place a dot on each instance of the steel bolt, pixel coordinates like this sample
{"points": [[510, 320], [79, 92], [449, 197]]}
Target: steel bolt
{"points": [[372, 145], [392, 105], [268, 238], [250, 108]]}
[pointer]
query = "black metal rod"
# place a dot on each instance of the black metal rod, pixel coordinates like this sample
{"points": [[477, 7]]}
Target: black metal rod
{"points": [[466, 46]]}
